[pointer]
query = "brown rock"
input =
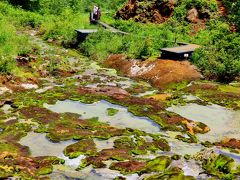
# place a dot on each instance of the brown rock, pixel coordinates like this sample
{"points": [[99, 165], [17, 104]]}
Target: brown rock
{"points": [[159, 73], [193, 15]]}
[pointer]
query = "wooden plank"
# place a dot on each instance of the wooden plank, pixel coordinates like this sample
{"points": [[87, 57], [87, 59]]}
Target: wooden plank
{"points": [[112, 29], [182, 49], [86, 31]]}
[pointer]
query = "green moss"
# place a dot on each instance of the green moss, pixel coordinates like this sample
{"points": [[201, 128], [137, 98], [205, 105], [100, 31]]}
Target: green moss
{"points": [[129, 167], [138, 146], [176, 157], [139, 110], [158, 164], [220, 166], [85, 146], [112, 112], [190, 139], [228, 88], [187, 157], [171, 174], [45, 170], [207, 144]]}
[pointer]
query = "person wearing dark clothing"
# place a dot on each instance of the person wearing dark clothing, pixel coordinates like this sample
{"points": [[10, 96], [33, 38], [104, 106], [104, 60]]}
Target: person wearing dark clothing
{"points": [[95, 15]]}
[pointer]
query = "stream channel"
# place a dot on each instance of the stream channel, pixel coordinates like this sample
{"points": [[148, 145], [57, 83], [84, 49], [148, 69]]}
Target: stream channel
{"points": [[223, 122]]}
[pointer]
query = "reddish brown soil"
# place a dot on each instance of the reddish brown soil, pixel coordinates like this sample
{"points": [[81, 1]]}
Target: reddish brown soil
{"points": [[230, 143], [159, 73], [13, 83], [149, 12]]}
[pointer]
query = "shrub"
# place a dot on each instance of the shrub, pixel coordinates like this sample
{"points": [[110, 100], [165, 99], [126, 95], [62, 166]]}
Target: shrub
{"points": [[233, 7], [26, 4], [220, 60]]}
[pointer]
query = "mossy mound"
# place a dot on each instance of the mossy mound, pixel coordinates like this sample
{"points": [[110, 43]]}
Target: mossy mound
{"points": [[218, 165], [128, 167], [69, 127], [158, 164], [106, 154], [171, 174], [227, 96], [85, 147], [112, 112], [14, 165], [137, 145]]}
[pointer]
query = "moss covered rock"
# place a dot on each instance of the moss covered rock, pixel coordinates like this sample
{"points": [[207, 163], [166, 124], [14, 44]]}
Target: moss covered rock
{"points": [[85, 147]]}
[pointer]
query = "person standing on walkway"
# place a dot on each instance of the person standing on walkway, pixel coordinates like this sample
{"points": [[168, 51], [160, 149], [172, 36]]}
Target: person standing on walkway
{"points": [[95, 15]]}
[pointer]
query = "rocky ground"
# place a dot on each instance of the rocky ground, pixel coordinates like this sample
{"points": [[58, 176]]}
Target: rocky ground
{"points": [[75, 119]]}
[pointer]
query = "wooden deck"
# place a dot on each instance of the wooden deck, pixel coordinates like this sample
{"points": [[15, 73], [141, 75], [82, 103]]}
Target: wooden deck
{"points": [[86, 31], [180, 52], [83, 33], [182, 49]]}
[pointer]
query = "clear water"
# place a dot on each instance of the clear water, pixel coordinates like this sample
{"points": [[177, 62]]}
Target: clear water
{"points": [[223, 122], [40, 146], [123, 119]]}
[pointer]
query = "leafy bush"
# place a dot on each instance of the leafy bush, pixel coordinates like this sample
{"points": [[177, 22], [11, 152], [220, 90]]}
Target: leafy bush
{"points": [[11, 45], [56, 7], [203, 6], [233, 7], [26, 4], [220, 60]]}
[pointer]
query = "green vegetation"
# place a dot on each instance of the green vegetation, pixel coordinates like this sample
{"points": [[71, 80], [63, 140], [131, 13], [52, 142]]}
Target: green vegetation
{"points": [[233, 7], [56, 21], [112, 111]]}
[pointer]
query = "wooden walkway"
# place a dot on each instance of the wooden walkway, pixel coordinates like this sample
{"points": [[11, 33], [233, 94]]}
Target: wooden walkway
{"points": [[110, 28], [183, 51]]}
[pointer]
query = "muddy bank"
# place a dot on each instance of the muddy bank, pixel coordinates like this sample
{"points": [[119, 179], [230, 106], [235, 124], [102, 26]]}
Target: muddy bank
{"points": [[159, 73]]}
